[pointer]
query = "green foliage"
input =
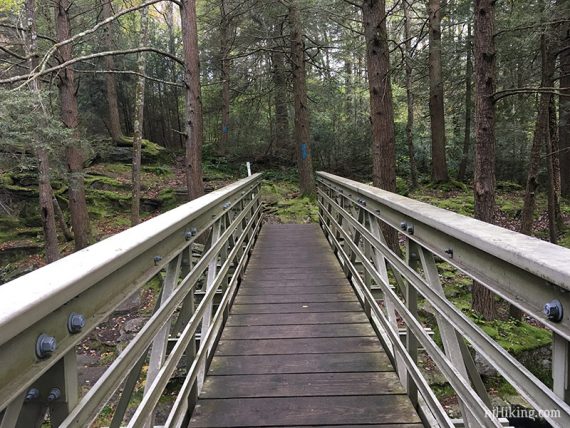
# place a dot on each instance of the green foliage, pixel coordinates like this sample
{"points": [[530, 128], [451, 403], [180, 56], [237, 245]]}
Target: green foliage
{"points": [[27, 123]]}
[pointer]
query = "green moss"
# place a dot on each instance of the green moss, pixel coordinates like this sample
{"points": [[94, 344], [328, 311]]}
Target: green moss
{"points": [[402, 187], [168, 199], [162, 171], [102, 182], [448, 186], [508, 186], [509, 206], [516, 336], [298, 210]]}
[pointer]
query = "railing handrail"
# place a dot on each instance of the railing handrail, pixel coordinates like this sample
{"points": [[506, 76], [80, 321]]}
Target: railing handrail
{"points": [[354, 218], [541, 258], [29, 298]]}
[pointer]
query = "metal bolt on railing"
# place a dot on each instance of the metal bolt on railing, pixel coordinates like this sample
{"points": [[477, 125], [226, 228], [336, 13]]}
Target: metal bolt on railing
{"points": [[404, 225], [32, 394], [45, 346], [554, 311], [54, 394], [190, 233], [75, 322], [411, 229], [226, 205], [449, 252], [157, 260]]}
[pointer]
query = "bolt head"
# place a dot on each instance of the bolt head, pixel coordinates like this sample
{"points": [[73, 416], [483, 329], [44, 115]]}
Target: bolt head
{"points": [[554, 311], [411, 229], [403, 225], [45, 346], [157, 259], [75, 323], [32, 394]]}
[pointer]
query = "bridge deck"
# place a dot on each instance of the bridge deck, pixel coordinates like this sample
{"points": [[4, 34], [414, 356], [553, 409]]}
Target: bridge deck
{"points": [[297, 349]]}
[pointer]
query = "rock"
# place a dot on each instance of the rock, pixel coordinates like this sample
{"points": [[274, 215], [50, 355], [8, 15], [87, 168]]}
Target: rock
{"points": [[131, 304], [134, 325], [483, 366]]}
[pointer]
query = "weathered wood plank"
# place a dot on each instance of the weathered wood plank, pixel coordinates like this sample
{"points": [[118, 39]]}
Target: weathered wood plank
{"points": [[289, 308], [304, 411], [320, 345], [302, 385], [297, 319], [296, 298], [271, 290], [300, 363], [294, 282], [298, 331]]}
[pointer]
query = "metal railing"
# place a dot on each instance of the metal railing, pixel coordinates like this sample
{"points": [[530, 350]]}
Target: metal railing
{"points": [[44, 315], [526, 272]]}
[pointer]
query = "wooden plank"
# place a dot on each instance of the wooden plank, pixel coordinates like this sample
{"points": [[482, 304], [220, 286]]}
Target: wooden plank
{"points": [[298, 331], [320, 345], [269, 290], [302, 385], [296, 298], [290, 308], [272, 282], [293, 273], [300, 363], [304, 411], [297, 319]]}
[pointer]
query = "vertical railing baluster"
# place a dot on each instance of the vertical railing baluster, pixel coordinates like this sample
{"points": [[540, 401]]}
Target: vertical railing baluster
{"points": [[411, 298], [561, 367]]}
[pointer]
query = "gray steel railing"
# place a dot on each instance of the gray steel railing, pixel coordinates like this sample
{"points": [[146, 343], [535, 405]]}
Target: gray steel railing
{"points": [[526, 272], [44, 315]]}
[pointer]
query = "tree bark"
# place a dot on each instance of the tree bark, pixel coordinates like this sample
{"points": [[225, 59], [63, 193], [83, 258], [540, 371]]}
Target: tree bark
{"points": [[381, 107], [225, 74], [47, 213], [436, 109], [484, 168], [564, 105], [540, 139], [468, 101], [409, 96], [110, 81], [302, 127], [174, 105], [193, 100], [139, 122], [70, 119]]}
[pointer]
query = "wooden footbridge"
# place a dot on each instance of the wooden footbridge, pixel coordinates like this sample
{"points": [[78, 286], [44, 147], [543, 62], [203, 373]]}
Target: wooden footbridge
{"points": [[262, 325]]}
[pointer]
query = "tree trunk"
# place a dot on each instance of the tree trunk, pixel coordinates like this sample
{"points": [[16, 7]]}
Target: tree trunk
{"points": [[176, 124], [484, 165], [468, 101], [409, 96], [564, 102], [60, 218], [70, 119], [47, 213], [139, 122], [302, 130], [225, 68], [381, 108], [110, 81], [540, 139], [436, 109], [554, 150], [282, 136], [193, 100]]}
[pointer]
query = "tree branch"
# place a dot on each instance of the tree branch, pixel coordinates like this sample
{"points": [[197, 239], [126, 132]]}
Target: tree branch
{"points": [[35, 75], [517, 91]]}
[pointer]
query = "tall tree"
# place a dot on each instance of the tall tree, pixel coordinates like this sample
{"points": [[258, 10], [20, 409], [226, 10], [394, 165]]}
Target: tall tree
{"points": [[409, 94], [139, 122], [70, 119], [436, 109], [564, 102], [47, 211], [225, 74], [381, 107], [193, 100], [302, 130], [484, 165], [468, 101], [541, 135], [110, 81]]}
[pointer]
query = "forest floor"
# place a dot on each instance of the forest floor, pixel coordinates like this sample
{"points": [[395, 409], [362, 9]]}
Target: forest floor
{"points": [[108, 192]]}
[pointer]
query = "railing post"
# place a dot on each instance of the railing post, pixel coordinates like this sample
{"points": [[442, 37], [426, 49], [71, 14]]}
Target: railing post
{"points": [[411, 297], [560, 367]]}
